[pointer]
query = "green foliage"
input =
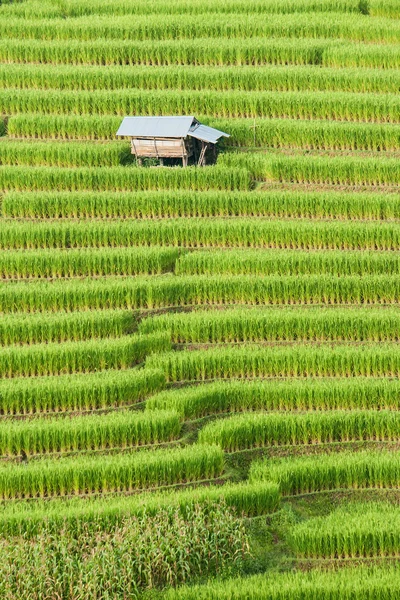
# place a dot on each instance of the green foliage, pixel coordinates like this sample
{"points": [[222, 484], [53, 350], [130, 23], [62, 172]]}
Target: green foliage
{"points": [[344, 470], [83, 263], [358, 530], [78, 392], [309, 394], [102, 474], [79, 357], [140, 205], [171, 291], [246, 78], [336, 106], [122, 178], [357, 583], [287, 361], [27, 518], [279, 429], [251, 232]]}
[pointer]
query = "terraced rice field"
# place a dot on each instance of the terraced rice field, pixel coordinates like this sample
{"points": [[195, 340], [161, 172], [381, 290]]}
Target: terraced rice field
{"points": [[200, 367]]}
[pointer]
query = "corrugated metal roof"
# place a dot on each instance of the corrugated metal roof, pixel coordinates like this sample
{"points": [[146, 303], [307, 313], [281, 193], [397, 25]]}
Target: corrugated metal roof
{"points": [[168, 127], [174, 127], [207, 134]]}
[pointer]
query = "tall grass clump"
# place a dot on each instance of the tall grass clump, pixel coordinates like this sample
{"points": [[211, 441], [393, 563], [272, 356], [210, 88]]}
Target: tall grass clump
{"points": [[78, 392], [344, 470], [276, 429], [102, 474], [359, 393], [79, 357]]}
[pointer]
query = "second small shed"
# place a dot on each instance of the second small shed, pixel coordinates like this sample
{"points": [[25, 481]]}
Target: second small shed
{"points": [[169, 137]]}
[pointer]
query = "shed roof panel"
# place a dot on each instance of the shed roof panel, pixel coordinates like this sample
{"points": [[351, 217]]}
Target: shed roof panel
{"points": [[155, 126], [207, 134]]}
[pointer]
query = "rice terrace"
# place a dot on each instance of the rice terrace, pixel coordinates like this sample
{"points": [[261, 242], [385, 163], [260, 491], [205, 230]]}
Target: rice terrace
{"points": [[199, 297]]}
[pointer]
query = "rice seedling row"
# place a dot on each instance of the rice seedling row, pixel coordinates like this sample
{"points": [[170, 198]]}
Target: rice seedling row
{"points": [[278, 429], [106, 389], [344, 470], [296, 361], [169, 291], [244, 78], [353, 27], [19, 518], [209, 232], [193, 402], [124, 472], [357, 583], [84, 262], [253, 325], [286, 262], [62, 327], [122, 178], [79, 357], [334, 106], [122, 429], [167, 204]]}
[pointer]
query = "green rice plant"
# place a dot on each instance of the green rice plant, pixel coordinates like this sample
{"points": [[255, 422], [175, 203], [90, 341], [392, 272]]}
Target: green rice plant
{"points": [[287, 262], [102, 474], [353, 27], [352, 55], [386, 8], [244, 78], [122, 178], [198, 51], [256, 429], [65, 127], [84, 262], [93, 432], [272, 325], [62, 327], [201, 233], [357, 583], [79, 357], [164, 204], [75, 8], [78, 392], [138, 554], [292, 361], [28, 518], [344, 470], [169, 291], [310, 135], [335, 106], [317, 169], [361, 530], [3, 129], [359, 393], [61, 154]]}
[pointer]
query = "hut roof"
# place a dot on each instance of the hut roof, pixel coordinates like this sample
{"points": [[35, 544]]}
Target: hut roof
{"points": [[168, 127]]}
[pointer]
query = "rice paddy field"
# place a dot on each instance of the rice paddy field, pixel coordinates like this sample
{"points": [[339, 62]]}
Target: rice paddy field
{"points": [[200, 367]]}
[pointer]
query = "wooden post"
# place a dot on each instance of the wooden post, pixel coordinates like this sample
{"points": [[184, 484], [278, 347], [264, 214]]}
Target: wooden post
{"points": [[161, 161]]}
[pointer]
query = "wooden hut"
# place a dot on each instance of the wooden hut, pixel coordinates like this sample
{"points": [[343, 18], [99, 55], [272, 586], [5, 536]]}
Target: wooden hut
{"points": [[169, 137]]}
